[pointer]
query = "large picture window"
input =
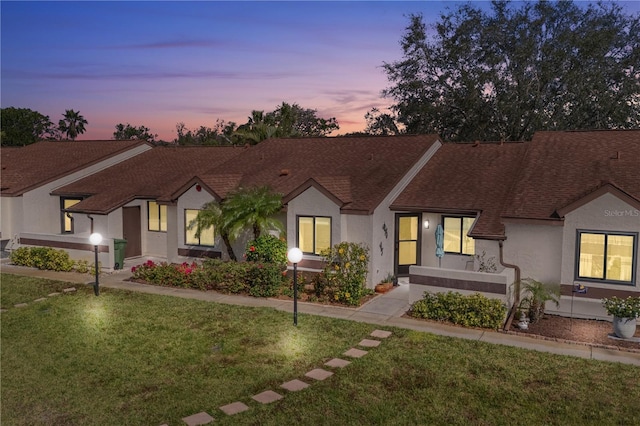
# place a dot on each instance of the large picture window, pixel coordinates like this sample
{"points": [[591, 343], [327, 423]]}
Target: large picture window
{"points": [[206, 235], [455, 235], [157, 216], [66, 219], [606, 256], [314, 234]]}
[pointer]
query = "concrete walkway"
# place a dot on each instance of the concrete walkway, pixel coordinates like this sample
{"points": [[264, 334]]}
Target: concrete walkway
{"points": [[386, 310]]}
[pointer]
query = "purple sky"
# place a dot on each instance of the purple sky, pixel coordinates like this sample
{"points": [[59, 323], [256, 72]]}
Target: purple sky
{"points": [[158, 63]]}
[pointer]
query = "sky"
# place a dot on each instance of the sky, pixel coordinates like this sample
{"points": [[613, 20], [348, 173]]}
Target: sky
{"points": [[160, 63]]}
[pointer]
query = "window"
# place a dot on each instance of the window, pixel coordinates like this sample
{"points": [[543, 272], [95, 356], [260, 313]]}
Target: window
{"points": [[66, 219], [314, 234], [206, 235], [606, 256], [157, 216], [455, 235]]}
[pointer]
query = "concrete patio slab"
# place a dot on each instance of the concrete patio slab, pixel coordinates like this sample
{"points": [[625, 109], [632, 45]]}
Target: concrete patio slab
{"points": [[294, 385], [369, 343], [319, 374], [380, 334], [267, 397], [355, 353], [337, 363], [198, 419], [385, 306], [234, 408]]}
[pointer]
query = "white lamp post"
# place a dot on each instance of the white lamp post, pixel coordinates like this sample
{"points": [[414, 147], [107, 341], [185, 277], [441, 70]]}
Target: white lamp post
{"points": [[295, 255], [96, 239]]}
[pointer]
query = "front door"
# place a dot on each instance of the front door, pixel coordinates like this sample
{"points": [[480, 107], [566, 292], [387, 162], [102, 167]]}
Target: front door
{"points": [[132, 231], [407, 244]]}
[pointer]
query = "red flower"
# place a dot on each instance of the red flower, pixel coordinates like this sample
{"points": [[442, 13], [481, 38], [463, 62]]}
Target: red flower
{"points": [[252, 248], [133, 269]]}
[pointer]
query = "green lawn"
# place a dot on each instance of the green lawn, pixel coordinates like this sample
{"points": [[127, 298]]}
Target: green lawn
{"points": [[135, 359]]}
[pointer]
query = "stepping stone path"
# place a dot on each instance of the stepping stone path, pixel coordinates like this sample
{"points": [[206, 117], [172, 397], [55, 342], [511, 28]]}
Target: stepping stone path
{"points": [[41, 299], [295, 385]]}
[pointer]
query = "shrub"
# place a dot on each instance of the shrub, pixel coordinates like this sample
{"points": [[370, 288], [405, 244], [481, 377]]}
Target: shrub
{"points": [[265, 279], [538, 295], [470, 311], [43, 258], [267, 249], [346, 270]]}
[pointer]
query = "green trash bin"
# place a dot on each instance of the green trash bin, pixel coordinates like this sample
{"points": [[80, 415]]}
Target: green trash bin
{"points": [[118, 252]]}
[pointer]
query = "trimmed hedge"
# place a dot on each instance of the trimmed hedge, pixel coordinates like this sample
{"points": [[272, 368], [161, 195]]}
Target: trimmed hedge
{"points": [[474, 310]]}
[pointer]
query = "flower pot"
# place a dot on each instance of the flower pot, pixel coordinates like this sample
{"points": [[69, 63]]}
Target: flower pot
{"points": [[624, 328], [383, 287]]}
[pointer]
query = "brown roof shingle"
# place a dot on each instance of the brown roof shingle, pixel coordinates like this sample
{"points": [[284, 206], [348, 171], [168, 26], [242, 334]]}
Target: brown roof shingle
{"points": [[466, 179], [34, 165], [560, 168], [358, 171], [155, 174]]}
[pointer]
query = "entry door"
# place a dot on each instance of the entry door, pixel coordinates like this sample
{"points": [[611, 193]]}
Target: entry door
{"points": [[407, 244], [132, 231]]}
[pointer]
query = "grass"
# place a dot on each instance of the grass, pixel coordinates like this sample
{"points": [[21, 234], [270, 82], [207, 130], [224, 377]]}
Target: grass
{"points": [[138, 359]]}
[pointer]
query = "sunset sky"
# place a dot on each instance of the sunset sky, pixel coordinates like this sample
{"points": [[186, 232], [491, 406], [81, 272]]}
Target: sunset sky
{"points": [[158, 63]]}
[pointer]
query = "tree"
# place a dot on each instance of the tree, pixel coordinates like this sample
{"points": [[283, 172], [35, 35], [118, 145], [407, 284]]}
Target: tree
{"points": [[221, 134], [508, 72], [129, 132], [253, 208], [22, 126], [214, 215], [379, 123], [72, 124]]}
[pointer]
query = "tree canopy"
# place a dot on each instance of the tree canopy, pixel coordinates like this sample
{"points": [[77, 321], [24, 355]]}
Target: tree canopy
{"points": [[72, 124], [22, 126], [129, 132], [506, 73]]}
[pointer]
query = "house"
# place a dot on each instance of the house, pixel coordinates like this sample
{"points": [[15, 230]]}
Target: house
{"points": [[563, 208], [29, 174], [132, 201]]}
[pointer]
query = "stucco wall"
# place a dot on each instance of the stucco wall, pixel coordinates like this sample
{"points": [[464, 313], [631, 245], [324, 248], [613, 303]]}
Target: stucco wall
{"points": [[536, 249], [11, 215], [606, 213]]}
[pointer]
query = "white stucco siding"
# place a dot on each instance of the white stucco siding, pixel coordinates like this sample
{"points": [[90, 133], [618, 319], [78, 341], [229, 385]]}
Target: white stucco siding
{"points": [[606, 213], [11, 216], [313, 203], [536, 249]]}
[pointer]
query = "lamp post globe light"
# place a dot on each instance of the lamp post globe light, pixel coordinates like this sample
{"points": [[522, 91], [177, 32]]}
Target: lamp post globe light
{"points": [[294, 256], [96, 239]]}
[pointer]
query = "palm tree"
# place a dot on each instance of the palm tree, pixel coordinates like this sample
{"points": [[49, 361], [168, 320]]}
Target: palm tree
{"points": [[72, 124], [212, 214], [253, 208]]}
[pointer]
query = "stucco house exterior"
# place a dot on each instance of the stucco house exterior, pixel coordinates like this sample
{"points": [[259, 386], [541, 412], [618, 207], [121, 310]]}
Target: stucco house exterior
{"points": [[29, 212], [562, 208]]}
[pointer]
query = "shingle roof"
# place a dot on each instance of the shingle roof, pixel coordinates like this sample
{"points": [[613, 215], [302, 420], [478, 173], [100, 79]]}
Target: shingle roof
{"points": [[358, 171], [37, 164], [560, 168], [155, 174], [466, 179]]}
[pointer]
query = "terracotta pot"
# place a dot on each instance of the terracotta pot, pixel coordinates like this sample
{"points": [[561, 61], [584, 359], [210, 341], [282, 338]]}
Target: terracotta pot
{"points": [[624, 328], [383, 288]]}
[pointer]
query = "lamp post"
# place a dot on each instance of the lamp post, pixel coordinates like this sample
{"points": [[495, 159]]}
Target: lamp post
{"points": [[295, 255], [96, 239]]}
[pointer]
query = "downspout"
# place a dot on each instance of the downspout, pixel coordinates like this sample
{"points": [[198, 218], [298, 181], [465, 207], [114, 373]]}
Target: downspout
{"points": [[516, 288]]}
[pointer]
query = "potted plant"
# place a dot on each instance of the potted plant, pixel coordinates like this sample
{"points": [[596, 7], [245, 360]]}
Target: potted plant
{"points": [[625, 313], [386, 284], [539, 294]]}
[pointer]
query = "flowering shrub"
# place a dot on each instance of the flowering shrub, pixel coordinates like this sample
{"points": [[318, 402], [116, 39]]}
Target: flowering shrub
{"points": [[42, 258], [474, 310], [267, 249], [622, 308], [346, 271], [166, 274], [264, 279]]}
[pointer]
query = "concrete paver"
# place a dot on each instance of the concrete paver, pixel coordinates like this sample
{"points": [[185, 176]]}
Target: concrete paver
{"points": [[355, 353], [267, 397], [198, 419], [234, 408], [337, 363], [294, 385], [380, 334], [369, 343], [319, 374]]}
